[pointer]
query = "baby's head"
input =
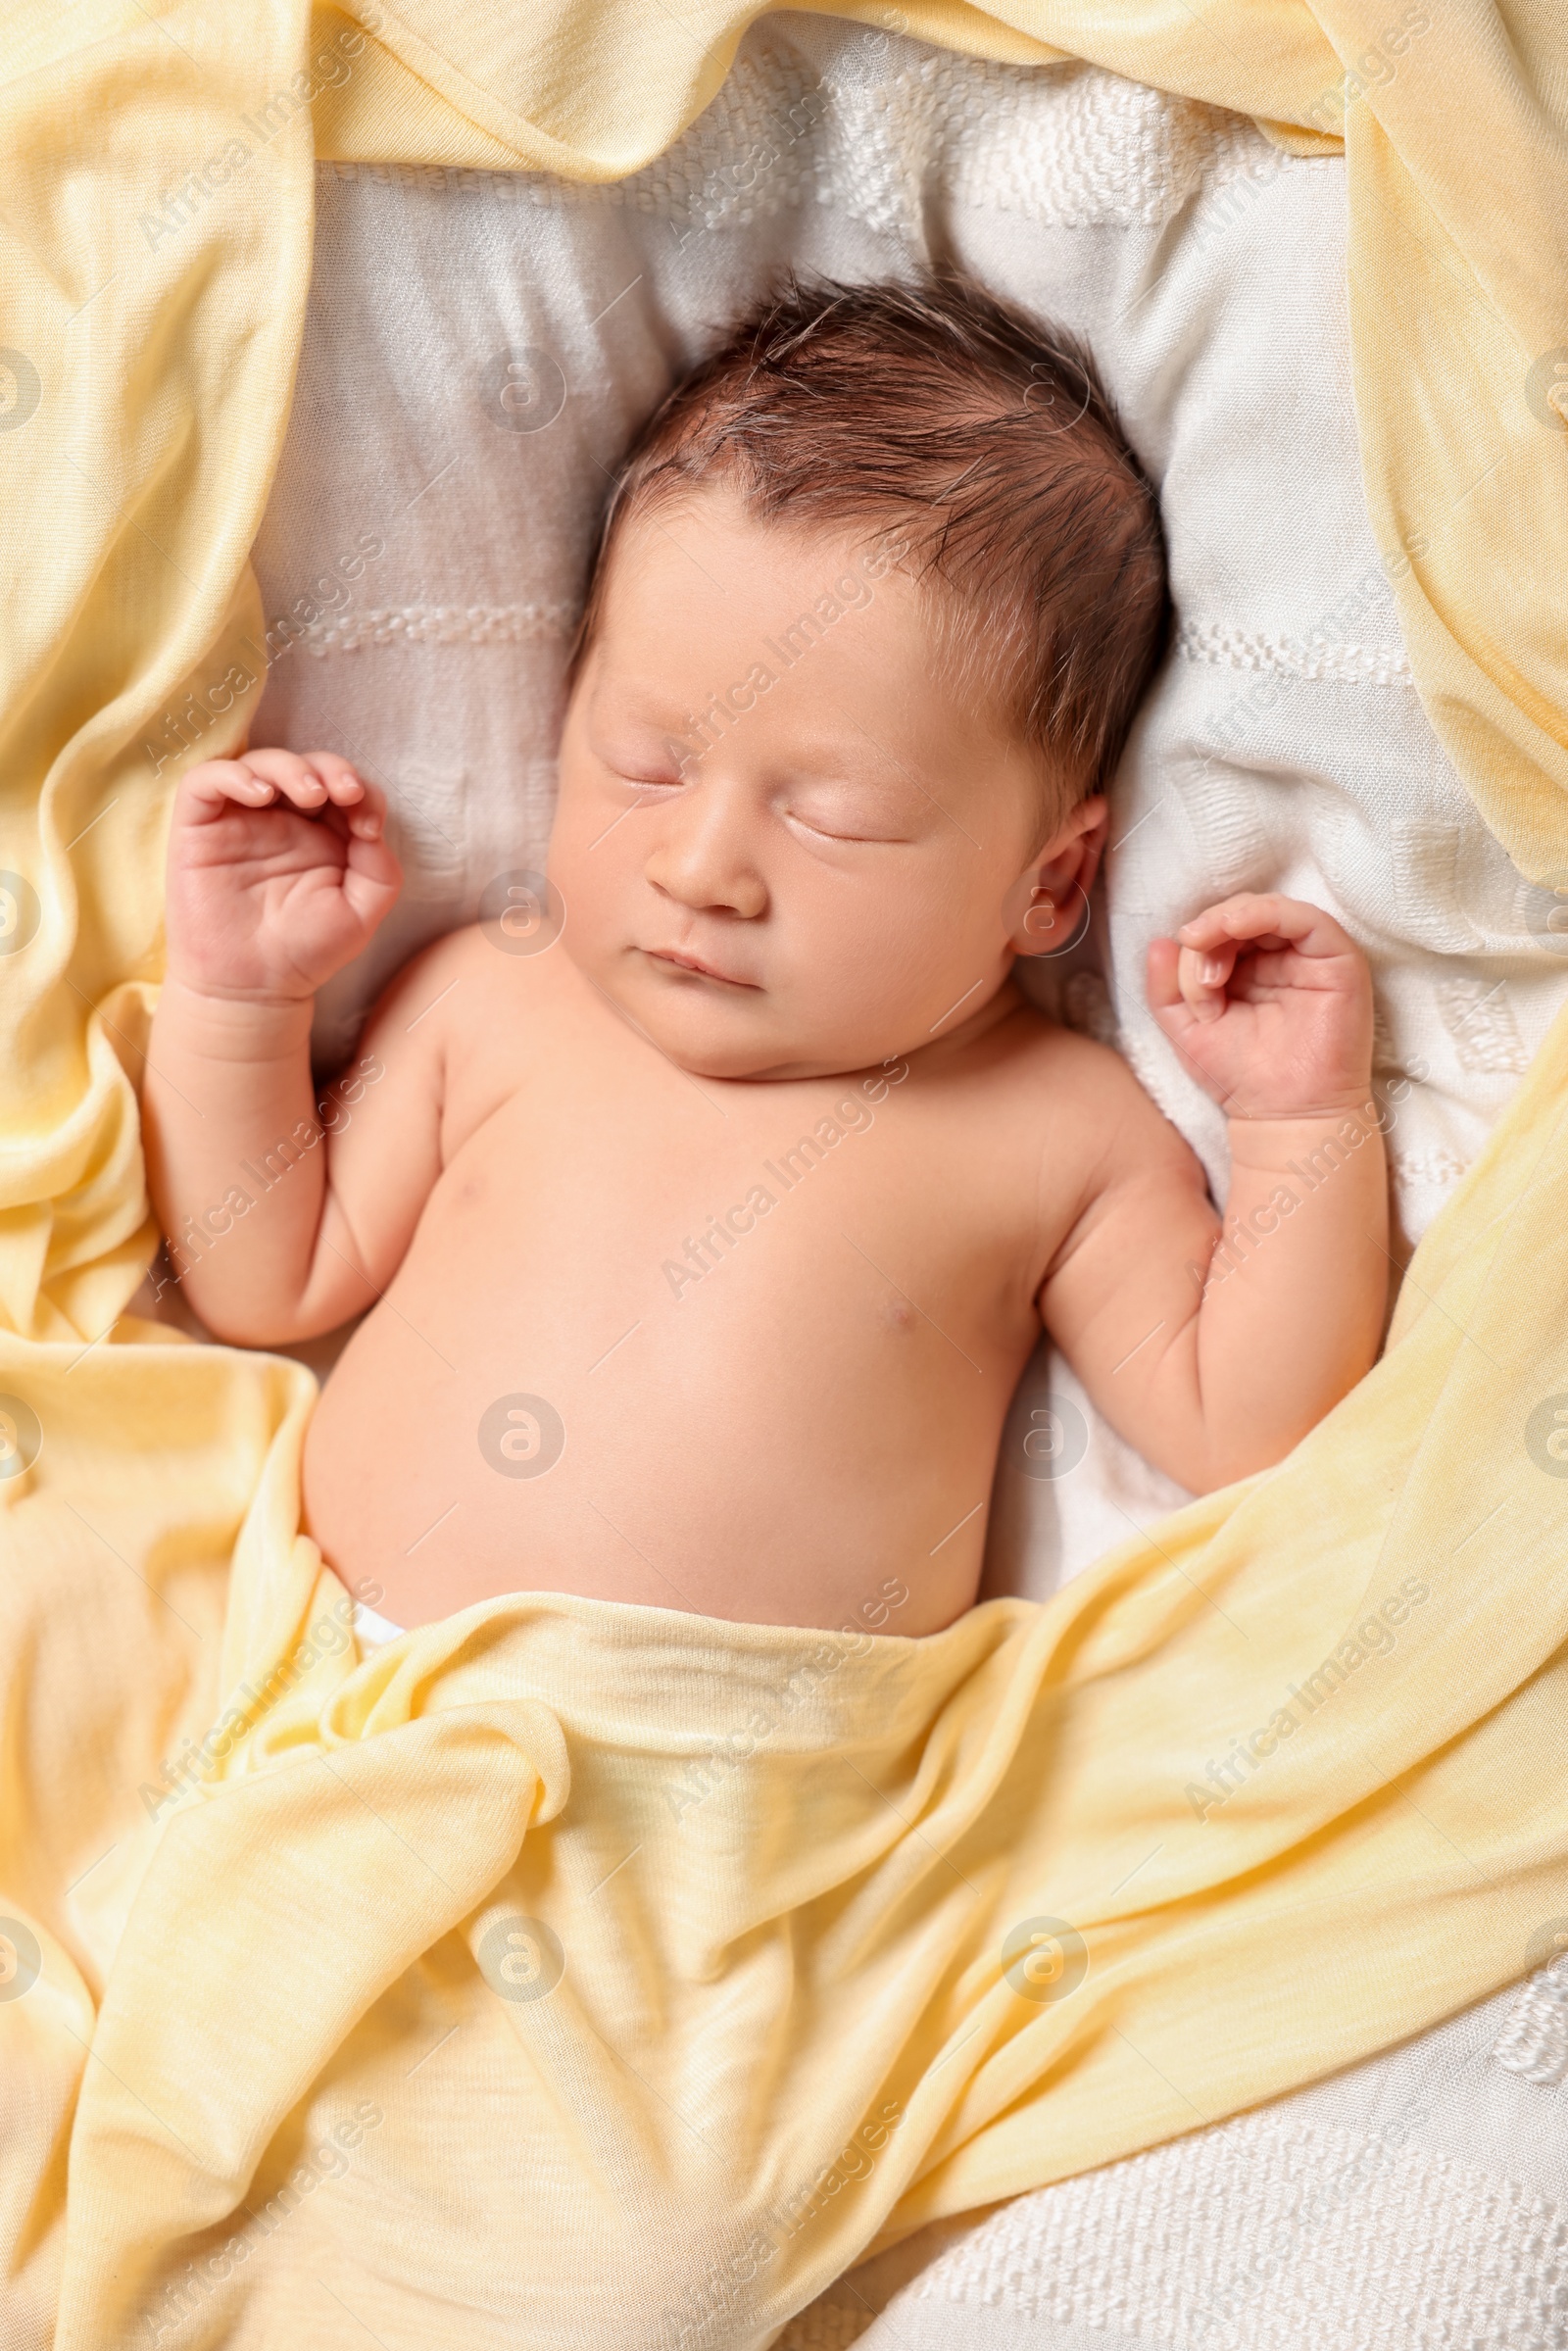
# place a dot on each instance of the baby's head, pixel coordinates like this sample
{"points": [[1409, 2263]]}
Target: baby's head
{"points": [[878, 593]]}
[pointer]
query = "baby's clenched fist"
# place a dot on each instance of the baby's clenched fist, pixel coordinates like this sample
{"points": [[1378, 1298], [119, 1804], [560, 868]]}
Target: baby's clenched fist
{"points": [[1269, 1002], [280, 873]]}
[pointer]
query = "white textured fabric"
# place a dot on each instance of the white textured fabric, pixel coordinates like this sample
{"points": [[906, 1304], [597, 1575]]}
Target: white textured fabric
{"points": [[1534, 2039], [440, 624], [1237, 648], [1416, 2202], [481, 346], [481, 349]]}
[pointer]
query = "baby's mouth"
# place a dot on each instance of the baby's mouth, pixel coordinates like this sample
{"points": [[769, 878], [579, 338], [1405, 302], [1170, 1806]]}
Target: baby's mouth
{"points": [[682, 961]]}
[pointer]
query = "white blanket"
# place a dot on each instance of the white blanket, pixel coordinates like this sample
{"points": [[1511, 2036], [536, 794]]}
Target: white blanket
{"points": [[481, 346], [1418, 2202], [480, 351]]}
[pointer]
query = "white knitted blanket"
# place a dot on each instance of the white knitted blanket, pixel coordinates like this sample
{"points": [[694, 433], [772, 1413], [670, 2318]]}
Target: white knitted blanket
{"points": [[1417, 2202], [481, 346], [479, 350]]}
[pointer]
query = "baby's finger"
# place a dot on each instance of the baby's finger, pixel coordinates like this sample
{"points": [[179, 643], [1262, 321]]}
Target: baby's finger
{"points": [[371, 880], [210, 787], [1177, 987], [295, 779], [1256, 916], [339, 777], [366, 818], [1269, 968], [1202, 977], [1160, 984]]}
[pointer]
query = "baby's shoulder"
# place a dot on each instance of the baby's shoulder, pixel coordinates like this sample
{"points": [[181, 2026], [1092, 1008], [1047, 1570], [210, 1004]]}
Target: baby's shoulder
{"points": [[476, 964], [1076, 1091], [1038, 1050], [468, 1011]]}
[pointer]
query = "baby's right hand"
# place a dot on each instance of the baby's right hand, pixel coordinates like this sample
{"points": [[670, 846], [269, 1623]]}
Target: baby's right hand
{"points": [[279, 874]]}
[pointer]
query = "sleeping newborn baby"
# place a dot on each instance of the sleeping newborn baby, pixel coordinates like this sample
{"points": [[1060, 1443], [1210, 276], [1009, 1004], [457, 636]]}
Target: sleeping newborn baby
{"points": [[708, 1202]]}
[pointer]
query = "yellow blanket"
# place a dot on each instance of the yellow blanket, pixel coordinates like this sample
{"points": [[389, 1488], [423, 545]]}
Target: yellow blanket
{"points": [[487, 1974], [574, 1974]]}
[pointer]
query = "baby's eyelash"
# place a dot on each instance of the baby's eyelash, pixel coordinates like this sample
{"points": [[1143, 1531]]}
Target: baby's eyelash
{"points": [[865, 839]]}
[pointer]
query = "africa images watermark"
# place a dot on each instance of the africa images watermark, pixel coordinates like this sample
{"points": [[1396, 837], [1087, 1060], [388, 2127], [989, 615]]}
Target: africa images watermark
{"points": [[329, 69], [1228, 2317], [328, 599], [1244, 1237], [1375, 1637], [699, 1778], [852, 592], [1272, 687], [180, 727], [198, 1235], [1233, 194], [182, 2296], [742, 175], [329, 1635], [1373, 70], [851, 1116], [714, 2295]]}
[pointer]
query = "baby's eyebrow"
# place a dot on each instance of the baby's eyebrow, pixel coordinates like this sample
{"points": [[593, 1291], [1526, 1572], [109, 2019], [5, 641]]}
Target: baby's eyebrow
{"points": [[859, 761], [641, 726], [829, 765], [841, 753], [635, 702], [908, 772]]}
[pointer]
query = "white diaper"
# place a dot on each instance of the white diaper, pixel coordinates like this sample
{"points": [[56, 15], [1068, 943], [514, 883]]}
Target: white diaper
{"points": [[373, 1632]]}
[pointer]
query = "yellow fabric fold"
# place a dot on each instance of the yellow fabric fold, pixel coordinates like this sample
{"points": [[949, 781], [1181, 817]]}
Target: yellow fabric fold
{"points": [[688, 1958], [213, 1960]]}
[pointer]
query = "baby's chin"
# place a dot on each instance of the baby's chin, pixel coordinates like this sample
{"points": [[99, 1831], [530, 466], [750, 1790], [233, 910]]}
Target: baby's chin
{"points": [[711, 1049], [715, 1032]]}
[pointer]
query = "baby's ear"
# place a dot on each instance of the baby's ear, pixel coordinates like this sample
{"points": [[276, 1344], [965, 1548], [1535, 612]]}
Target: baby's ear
{"points": [[1046, 905], [1091, 818]]}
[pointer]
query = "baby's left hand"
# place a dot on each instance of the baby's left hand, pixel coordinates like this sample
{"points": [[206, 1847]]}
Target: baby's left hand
{"points": [[1269, 1004]]}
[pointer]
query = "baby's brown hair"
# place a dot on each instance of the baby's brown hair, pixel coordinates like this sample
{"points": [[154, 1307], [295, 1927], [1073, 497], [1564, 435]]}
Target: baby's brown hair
{"points": [[984, 442]]}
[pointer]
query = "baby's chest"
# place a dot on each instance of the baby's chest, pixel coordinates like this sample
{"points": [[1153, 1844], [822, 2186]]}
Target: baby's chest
{"points": [[812, 1196]]}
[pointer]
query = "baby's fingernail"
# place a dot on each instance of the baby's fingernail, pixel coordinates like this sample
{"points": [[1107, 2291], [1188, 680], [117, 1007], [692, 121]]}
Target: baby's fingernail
{"points": [[1213, 970]]}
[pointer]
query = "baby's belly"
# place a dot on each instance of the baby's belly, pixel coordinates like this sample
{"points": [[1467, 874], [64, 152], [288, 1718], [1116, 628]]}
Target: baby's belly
{"points": [[555, 1397]]}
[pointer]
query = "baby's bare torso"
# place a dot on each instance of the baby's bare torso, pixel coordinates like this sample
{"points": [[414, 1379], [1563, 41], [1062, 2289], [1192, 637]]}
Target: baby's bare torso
{"points": [[559, 1393]]}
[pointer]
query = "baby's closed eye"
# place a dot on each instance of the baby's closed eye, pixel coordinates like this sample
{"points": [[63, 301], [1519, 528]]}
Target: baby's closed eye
{"points": [[650, 775], [843, 811]]}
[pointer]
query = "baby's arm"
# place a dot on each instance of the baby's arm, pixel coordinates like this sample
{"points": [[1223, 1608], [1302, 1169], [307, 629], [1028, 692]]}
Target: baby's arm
{"points": [[284, 1217], [1215, 1347]]}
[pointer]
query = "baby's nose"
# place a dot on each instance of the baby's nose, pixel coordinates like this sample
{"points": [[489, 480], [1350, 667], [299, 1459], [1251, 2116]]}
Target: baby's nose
{"points": [[704, 855]]}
